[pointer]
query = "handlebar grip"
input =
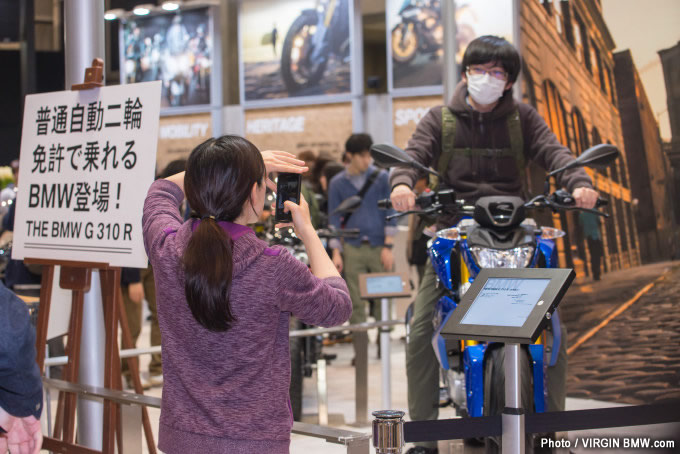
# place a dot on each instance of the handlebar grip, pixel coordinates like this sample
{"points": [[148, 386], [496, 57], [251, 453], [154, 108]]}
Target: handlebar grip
{"points": [[385, 204], [601, 202]]}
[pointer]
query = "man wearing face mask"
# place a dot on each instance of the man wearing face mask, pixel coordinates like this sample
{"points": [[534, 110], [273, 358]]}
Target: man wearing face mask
{"points": [[480, 143]]}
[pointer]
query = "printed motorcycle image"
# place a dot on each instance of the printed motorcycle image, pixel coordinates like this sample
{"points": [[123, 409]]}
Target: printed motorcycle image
{"points": [[316, 36], [419, 32]]}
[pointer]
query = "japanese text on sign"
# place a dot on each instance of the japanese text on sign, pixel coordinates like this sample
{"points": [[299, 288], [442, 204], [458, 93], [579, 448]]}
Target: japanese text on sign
{"points": [[87, 160]]}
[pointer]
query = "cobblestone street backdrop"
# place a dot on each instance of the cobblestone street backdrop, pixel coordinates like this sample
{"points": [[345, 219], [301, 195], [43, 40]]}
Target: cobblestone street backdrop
{"points": [[635, 358]]}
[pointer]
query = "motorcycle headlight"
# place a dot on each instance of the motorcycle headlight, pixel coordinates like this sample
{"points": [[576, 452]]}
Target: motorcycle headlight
{"points": [[519, 257]]}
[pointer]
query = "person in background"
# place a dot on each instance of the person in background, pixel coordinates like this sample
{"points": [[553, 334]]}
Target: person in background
{"points": [[307, 189], [16, 272], [133, 298], [591, 228], [225, 300], [372, 251], [21, 396], [330, 169]]}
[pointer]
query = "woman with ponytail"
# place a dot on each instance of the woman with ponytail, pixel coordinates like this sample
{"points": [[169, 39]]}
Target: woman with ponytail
{"points": [[224, 300]]}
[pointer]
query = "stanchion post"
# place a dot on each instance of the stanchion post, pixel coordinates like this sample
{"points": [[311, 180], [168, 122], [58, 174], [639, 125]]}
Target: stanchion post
{"points": [[388, 431], [385, 355], [322, 391], [513, 414], [361, 378], [84, 41]]}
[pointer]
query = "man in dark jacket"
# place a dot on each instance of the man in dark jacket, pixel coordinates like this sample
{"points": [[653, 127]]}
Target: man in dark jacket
{"points": [[20, 385], [480, 143]]}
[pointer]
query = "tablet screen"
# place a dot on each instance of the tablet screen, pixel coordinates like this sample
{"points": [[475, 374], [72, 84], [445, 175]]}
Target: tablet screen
{"points": [[379, 285], [505, 302]]}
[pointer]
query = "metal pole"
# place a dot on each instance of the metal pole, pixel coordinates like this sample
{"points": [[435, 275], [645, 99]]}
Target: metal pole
{"points": [[91, 370], [361, 378], [27, 49], [385, 355], [451, 72], [357, 66], [322, 391], [83, 42], [513, 414]]}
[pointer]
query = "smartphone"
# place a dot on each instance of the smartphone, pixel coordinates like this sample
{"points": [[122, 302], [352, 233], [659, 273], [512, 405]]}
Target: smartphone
{"points": [[287, 188]]}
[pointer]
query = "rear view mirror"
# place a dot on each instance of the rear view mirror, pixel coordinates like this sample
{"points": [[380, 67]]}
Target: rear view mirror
{"points": [[390, 156], [598, 156], [386, 155]]}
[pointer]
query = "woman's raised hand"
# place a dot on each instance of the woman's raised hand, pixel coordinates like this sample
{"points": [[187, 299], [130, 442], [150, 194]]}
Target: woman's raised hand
{"points": [[281, 161]]}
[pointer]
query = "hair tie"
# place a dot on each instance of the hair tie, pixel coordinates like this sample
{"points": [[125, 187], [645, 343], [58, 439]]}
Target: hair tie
{"points": [[208, 217]]}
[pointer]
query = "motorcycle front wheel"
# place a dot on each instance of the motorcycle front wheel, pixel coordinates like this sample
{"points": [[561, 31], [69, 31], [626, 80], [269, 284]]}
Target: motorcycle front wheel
{"points": [[404, 43], [297, 69], [494, 392]]}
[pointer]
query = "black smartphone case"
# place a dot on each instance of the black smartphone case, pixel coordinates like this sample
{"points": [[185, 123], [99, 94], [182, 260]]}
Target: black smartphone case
{"points": [[283, 191]]}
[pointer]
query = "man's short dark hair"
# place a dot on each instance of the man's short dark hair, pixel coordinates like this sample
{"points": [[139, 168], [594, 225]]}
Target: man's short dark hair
{"points": [[358, 143], [489, 48]]}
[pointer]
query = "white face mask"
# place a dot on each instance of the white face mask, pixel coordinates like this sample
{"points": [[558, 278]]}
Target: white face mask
{"points": [[485, 89]]}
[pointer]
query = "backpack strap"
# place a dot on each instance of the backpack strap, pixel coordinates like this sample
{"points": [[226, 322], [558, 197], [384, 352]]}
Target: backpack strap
{"points": [[448, 135], [517, 144], [362, 192]]}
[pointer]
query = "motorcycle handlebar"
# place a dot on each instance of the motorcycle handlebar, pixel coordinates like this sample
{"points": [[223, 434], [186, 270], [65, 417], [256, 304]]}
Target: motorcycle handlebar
{"points": [[445, 198], [432, 202], [385, 204], [339, 233]]}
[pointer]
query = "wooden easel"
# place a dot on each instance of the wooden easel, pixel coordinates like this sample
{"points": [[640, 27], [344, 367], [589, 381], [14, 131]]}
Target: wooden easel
{"points": [[76, 276]]}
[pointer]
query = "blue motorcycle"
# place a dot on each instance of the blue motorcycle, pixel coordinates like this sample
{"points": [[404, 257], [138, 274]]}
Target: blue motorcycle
{"points": [[494, 232]]}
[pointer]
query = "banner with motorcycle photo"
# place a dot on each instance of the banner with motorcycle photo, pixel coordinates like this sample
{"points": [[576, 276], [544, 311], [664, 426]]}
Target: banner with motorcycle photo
{"points": [[296, 48], [416, 37], [175, 48]]}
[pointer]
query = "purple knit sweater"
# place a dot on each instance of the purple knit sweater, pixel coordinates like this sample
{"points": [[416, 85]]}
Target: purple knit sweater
{"points": [[228, 392]]}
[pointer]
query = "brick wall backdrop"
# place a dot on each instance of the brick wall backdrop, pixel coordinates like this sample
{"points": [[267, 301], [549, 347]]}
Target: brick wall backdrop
{"points": [[568, 64]]}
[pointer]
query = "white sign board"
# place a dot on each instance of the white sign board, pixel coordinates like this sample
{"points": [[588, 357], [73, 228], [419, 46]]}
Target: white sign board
{"points": [[87, 160]]}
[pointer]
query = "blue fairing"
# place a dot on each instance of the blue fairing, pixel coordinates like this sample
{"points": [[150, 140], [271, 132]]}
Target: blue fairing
{"points": [[536, 352], [443, 311], [440, 256], [473, 362], [469, 259], [548, 249]]}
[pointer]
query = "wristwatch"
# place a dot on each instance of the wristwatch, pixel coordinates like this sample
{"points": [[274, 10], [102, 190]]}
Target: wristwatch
{"points": [[388, 246]]}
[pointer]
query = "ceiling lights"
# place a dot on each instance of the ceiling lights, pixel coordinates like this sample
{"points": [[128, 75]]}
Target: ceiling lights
{"points": [[143, 10], [170, 5], [114, 14]]}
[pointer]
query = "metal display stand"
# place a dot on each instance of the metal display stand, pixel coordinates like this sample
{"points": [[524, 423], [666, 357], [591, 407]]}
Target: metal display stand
{"points": [[384, 286], [513, 413]]}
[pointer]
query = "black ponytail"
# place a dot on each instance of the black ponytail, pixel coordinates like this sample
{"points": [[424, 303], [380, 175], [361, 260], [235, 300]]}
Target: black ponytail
{"points": [[219, 177]]}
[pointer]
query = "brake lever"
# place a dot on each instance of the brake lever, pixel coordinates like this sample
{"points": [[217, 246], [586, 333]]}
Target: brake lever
{"points": [[557, 206], [431, 210]]}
